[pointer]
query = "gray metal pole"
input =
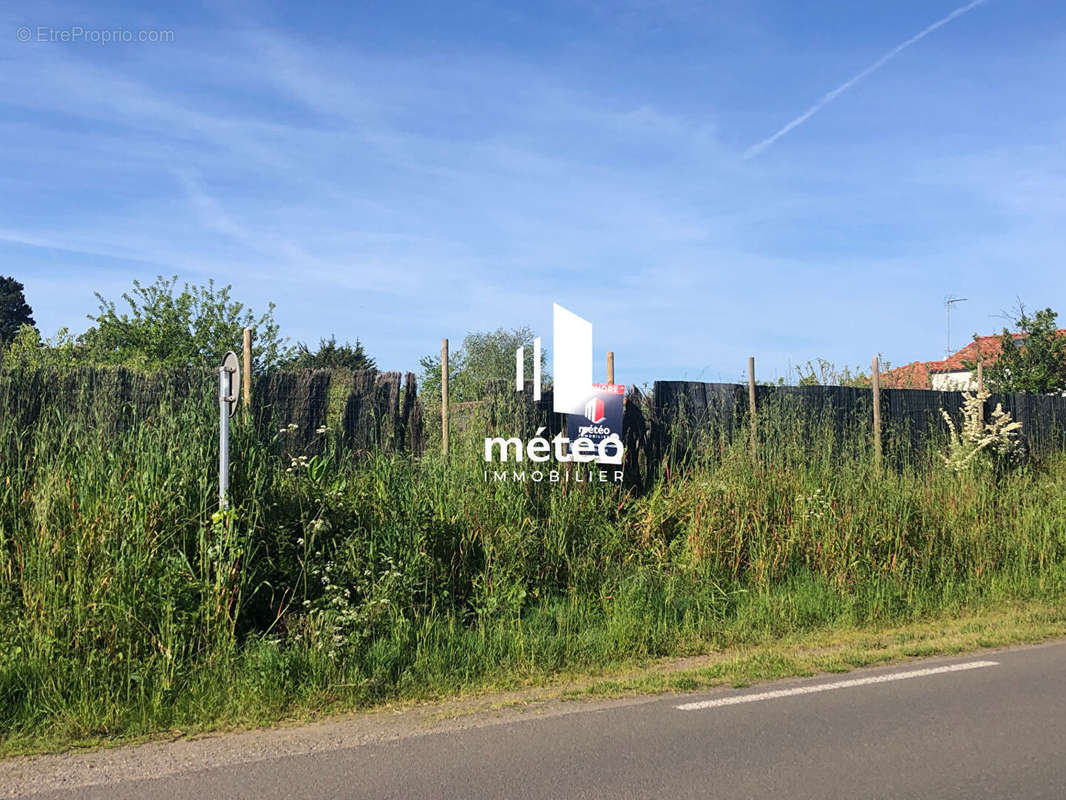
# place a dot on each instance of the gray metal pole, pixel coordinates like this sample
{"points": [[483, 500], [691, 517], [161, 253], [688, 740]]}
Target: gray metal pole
{"points": [[224, 379]]}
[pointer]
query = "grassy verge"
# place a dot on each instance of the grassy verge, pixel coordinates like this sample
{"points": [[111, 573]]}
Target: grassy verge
{"points": [[128, 607], [829, 650], [839, 650]]}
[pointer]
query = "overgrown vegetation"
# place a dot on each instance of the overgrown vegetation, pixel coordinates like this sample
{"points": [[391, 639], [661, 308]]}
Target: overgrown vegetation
{"points": [[825, 373], [28, 350], [483, 358], [151, 327], [1032, 358], [128, 605], [975, 437], [156, 327]]}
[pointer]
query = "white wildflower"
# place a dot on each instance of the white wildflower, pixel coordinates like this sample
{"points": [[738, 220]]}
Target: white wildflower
{"points": [[999, 434]]}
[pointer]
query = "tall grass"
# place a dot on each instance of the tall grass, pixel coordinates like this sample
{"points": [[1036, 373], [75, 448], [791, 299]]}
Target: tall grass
{"points": [[128, 604]]}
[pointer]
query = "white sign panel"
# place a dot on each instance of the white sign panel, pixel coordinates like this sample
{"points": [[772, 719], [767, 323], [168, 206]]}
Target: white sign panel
{"points": [[572, 340]]}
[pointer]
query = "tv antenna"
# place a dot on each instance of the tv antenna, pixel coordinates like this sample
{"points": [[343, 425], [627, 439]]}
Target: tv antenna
{"points": [[949, 301]]}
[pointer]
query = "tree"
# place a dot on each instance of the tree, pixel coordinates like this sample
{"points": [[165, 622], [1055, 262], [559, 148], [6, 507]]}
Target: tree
{"points": [[1034, 361], [163, 328], [330, 355], [482, 358], [27, 349], [14, 310]]}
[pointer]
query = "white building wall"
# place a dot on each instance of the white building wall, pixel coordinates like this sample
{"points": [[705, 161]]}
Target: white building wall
{"points": [[953, 381]]}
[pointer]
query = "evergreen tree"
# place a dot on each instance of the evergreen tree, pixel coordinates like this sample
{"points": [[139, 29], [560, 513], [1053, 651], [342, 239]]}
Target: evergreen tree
{"points": [[14, 310], [330, 355]]}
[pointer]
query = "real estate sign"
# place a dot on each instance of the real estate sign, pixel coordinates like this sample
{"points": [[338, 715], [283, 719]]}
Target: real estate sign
{"points": [[602, 418]]}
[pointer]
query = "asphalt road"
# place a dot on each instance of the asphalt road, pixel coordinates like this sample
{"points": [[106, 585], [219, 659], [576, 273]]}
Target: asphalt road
{"points": [[993, 726]]}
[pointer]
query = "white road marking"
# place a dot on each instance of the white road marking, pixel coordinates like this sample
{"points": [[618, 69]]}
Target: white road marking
{"points": [[826, 687]]}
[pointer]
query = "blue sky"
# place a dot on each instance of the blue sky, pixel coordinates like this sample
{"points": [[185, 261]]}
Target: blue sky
{"points": [[400, 172]]}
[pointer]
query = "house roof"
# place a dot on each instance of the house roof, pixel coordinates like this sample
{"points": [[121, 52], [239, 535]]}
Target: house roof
{"points": [[988, 347], [910, 376], [918, 374]]}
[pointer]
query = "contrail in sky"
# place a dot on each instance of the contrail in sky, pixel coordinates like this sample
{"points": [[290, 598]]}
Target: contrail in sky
{"points": [[755, 149]]}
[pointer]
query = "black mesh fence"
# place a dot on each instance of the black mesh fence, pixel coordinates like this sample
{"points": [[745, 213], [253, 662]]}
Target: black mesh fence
{"points": [[683, 421], [689, 417], [111, 399], [1043, 418], [365, 410], [382, 411], [294, 402]]}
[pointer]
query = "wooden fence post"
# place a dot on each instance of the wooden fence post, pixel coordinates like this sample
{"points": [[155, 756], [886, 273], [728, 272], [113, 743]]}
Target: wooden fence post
{"points": [[247, 377], [981, 382], [751, 402], [875, 382], [444, 396], [610, 367]]}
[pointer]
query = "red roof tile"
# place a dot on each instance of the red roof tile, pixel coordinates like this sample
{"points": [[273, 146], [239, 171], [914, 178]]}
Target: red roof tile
{"points": [[917, 374], [910, 376]]}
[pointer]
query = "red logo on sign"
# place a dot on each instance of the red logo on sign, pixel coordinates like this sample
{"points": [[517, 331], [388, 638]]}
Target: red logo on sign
{"points": [[594, 410]]}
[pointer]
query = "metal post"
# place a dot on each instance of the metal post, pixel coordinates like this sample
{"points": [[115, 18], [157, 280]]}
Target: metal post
{"points": [[224, 379], [444, 396], [610, 367], [875, 383], [247, 370]]}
